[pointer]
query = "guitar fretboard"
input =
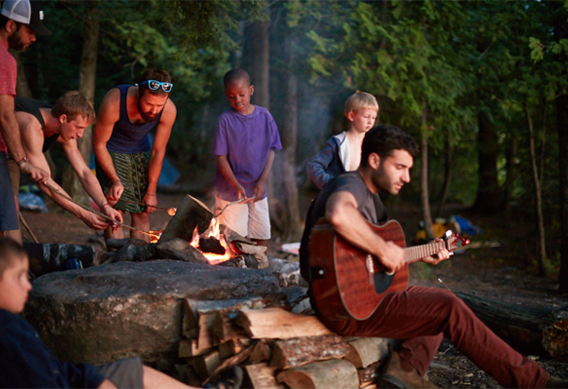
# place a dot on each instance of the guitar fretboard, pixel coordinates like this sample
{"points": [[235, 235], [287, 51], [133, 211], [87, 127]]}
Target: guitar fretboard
{"points": [[413, 254]]}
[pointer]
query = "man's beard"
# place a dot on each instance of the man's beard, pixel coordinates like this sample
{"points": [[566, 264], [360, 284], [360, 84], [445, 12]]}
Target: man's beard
{"points": [[15, 42], [144, 115]]}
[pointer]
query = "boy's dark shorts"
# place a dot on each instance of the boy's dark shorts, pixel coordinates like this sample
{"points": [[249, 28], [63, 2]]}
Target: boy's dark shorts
{"points": [[124, 373]]}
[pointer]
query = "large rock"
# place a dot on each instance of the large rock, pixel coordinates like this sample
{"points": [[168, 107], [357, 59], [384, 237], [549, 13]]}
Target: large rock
{"points": [[113, 311]]}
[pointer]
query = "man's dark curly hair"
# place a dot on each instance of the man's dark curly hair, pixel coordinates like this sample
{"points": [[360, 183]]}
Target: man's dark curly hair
{"points": [[383, 140]]}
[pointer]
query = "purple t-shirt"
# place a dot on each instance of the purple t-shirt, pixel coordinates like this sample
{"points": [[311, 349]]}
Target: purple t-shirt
{"points": [[246, 141]]}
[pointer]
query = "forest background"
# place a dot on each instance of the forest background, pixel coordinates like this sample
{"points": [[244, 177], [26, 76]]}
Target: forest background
{"points": [[482, 85]]}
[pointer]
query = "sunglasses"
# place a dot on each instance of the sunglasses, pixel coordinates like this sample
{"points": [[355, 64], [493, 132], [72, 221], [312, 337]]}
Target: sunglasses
{"points": [[154, 85]]}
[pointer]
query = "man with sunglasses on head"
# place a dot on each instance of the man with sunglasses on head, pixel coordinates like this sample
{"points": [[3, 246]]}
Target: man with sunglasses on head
{"points": [[128, 167], [20, 21]]}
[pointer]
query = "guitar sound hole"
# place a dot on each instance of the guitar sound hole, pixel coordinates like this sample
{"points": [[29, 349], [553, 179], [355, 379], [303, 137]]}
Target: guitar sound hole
{"points": [[382, 281]]}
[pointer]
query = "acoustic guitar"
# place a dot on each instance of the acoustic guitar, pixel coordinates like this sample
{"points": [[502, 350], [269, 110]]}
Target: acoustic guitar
{"points": [[348, 283]]}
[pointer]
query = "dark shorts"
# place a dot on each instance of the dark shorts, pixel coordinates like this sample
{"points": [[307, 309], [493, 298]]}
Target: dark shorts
{"points": [[14, 175], [8, 213], [132, 170], [124, 373]]}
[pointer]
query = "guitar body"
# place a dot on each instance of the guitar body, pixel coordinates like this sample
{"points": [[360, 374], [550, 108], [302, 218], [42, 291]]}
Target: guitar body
{"points": [[344, 286]]}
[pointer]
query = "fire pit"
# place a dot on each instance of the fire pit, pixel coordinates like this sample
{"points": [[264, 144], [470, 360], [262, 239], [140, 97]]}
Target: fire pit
{"points": [[194, 235]]}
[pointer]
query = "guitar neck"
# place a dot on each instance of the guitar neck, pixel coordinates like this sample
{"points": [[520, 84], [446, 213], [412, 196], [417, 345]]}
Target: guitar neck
{"points": [[413, 254]]}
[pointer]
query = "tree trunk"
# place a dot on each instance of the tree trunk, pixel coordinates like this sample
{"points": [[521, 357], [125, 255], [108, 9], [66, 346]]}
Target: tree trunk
{"points": [[561, 32], [257, 38], [487, 201], [426, 215], [541, 232], [447, 175], [87, 79], [562, 128], [511, 167], [284, 177]]}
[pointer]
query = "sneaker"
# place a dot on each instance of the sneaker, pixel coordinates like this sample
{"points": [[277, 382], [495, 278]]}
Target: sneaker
{"points": [[229, 378], [394, 376]]}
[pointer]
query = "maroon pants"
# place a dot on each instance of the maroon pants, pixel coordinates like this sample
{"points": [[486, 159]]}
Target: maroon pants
{"points": [[423, 316]]}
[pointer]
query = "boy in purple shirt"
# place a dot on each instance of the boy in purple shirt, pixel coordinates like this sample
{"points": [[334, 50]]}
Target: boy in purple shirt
{"points": [[246, 137]]}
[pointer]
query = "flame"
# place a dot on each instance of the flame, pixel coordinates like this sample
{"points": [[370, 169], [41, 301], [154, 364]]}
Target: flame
{"points": [[212, 231], [155, 236]]}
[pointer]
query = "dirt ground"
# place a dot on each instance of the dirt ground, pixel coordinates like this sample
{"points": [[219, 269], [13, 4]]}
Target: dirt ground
{"points": [[505, 271]]}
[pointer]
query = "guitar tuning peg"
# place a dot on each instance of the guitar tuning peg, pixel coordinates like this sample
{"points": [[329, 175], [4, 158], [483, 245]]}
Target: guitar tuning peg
{"points": [[464, 241]]}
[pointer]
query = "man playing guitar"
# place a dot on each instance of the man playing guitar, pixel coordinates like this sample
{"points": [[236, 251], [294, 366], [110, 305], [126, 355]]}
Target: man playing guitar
{"points": [[419, 316]]}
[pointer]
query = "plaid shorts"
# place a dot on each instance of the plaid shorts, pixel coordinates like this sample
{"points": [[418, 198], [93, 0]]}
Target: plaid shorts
{"points": [[132, 170]]}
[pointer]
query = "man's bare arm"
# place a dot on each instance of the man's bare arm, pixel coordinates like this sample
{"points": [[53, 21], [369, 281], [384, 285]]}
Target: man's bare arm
{"points": [[343, 214], [11, 135], [163, 132], [88, 179], [32, 141], [109, 114]]}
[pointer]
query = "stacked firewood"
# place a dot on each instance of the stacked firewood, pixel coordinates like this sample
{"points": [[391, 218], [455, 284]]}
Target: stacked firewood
{"points": [[275, 347]]}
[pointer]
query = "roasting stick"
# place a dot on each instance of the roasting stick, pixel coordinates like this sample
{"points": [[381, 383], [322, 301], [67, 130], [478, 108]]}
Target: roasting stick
{"points": [[244, 199], [171, 211], [99, 213]]}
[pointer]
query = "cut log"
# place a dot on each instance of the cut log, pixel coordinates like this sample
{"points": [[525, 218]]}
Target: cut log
{"points": [[206, 365], [321, 375], [261, 352], [301, 351], [232, 347], [191, 307], [205, 336], [369, 374], [232, 361], [189, 348], [537, 330], [223, 329], [276, 323], [191, 213], [365, 351], [261, 376]]}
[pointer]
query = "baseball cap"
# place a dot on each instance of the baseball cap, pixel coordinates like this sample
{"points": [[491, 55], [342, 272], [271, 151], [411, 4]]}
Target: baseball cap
{"points": [[26, 12]]}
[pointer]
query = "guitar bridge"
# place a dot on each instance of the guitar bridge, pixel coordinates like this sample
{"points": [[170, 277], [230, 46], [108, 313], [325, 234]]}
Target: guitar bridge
{"points": [[370, 269]]}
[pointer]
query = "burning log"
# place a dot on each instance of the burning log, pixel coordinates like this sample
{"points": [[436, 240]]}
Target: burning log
{"points": [[179, 249], [191, 214], [211, 245]]}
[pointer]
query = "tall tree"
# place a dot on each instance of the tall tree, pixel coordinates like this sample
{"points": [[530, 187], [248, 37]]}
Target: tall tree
{"points": [[87, 77]]}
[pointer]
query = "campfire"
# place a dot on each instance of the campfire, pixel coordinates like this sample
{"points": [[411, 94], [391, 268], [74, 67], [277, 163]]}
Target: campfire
{"points": [[193, 235], [212, 244]]}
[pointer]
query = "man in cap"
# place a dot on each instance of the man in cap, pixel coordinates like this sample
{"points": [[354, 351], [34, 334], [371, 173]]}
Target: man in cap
{"points": [[20, 20]]}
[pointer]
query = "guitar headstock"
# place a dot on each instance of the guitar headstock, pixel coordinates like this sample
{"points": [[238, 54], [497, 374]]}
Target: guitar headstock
{"points": [[452, 240]]}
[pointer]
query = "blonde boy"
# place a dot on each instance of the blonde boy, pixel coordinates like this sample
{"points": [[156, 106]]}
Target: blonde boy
{"points": [[342, 153], [26, 362]]}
